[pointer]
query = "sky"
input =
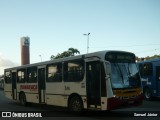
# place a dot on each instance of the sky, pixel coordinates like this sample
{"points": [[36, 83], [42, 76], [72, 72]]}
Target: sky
{"points": [[56, 25]]}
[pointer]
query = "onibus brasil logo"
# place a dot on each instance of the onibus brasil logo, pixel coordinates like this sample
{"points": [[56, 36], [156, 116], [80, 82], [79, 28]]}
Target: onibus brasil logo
{"points": [[19, 114]]}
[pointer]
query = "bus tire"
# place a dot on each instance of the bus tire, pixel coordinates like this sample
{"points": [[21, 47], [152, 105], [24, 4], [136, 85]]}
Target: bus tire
{"points": [[75, 104], [22, 99], [147, 94]]}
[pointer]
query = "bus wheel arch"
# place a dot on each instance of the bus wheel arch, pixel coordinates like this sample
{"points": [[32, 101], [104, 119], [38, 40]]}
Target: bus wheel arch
{"points": [[75, 103], [147, 93], [22, 98]]}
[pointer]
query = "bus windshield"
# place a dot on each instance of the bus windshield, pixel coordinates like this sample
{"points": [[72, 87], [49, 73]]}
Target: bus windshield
{"points": [[124, 72], [124, 75]]}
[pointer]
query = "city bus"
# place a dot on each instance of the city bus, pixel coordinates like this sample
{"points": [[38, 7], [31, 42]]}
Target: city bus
{"points": [[104, 80], [150, 77]]}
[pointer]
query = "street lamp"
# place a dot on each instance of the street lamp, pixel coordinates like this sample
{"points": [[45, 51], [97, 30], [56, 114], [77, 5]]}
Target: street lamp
{"points": [[87, 41]]}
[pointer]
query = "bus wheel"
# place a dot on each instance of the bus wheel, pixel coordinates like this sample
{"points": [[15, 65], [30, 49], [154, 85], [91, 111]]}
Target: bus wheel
{"points": [[75, 104], [23, 99], [147, 94]]}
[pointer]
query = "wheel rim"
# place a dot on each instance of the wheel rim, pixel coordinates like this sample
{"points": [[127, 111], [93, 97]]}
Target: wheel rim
{"points": [[76, 104], [147, 93], [23, 99]]}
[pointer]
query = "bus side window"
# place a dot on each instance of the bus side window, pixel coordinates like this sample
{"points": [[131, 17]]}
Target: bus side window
{"points": [[21, 76], [54, 73], [32, 75], [74, 71], [147, 69], [8, 77]]}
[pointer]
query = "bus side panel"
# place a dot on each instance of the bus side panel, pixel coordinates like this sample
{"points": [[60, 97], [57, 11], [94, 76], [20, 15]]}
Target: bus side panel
{"points": [[75, 87], [57, 100], [8, 90], [55, 94], [32, 97], [147, 79], [153, 81], [30, 90], [78, 88]]}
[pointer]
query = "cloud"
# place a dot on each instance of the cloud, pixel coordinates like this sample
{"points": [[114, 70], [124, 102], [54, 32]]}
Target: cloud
{"points": [[6, 62]]}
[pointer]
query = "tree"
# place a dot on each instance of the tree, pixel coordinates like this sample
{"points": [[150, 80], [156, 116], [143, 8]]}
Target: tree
{"points": [[68, 53], [73, 51], [52, 57], [147, 58]]}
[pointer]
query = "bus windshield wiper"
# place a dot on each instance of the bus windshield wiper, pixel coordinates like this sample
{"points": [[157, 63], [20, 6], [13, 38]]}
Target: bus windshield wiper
{"points": [[121, 75]]}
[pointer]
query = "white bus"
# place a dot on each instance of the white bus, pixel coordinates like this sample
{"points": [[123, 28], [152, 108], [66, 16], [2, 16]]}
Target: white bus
{"points": [[102, 80]]}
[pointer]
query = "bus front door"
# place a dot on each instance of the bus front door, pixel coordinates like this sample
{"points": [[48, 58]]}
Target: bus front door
{"points": [[41, 85], [93, 85], [158, 80], [14, 88]]}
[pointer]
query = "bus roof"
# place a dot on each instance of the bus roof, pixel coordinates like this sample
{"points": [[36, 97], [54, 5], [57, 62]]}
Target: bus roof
{"points": [[100, 54]]}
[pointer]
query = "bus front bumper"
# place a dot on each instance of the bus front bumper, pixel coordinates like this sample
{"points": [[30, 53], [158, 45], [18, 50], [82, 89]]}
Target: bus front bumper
{"points": [[115, 103]]}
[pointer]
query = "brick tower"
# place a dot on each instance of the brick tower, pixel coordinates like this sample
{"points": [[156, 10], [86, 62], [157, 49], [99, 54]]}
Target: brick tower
{"points": [[25, 55]]}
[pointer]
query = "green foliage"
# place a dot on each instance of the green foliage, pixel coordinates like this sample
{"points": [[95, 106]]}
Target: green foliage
{"points": [[148, 57], [68, 53]]}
